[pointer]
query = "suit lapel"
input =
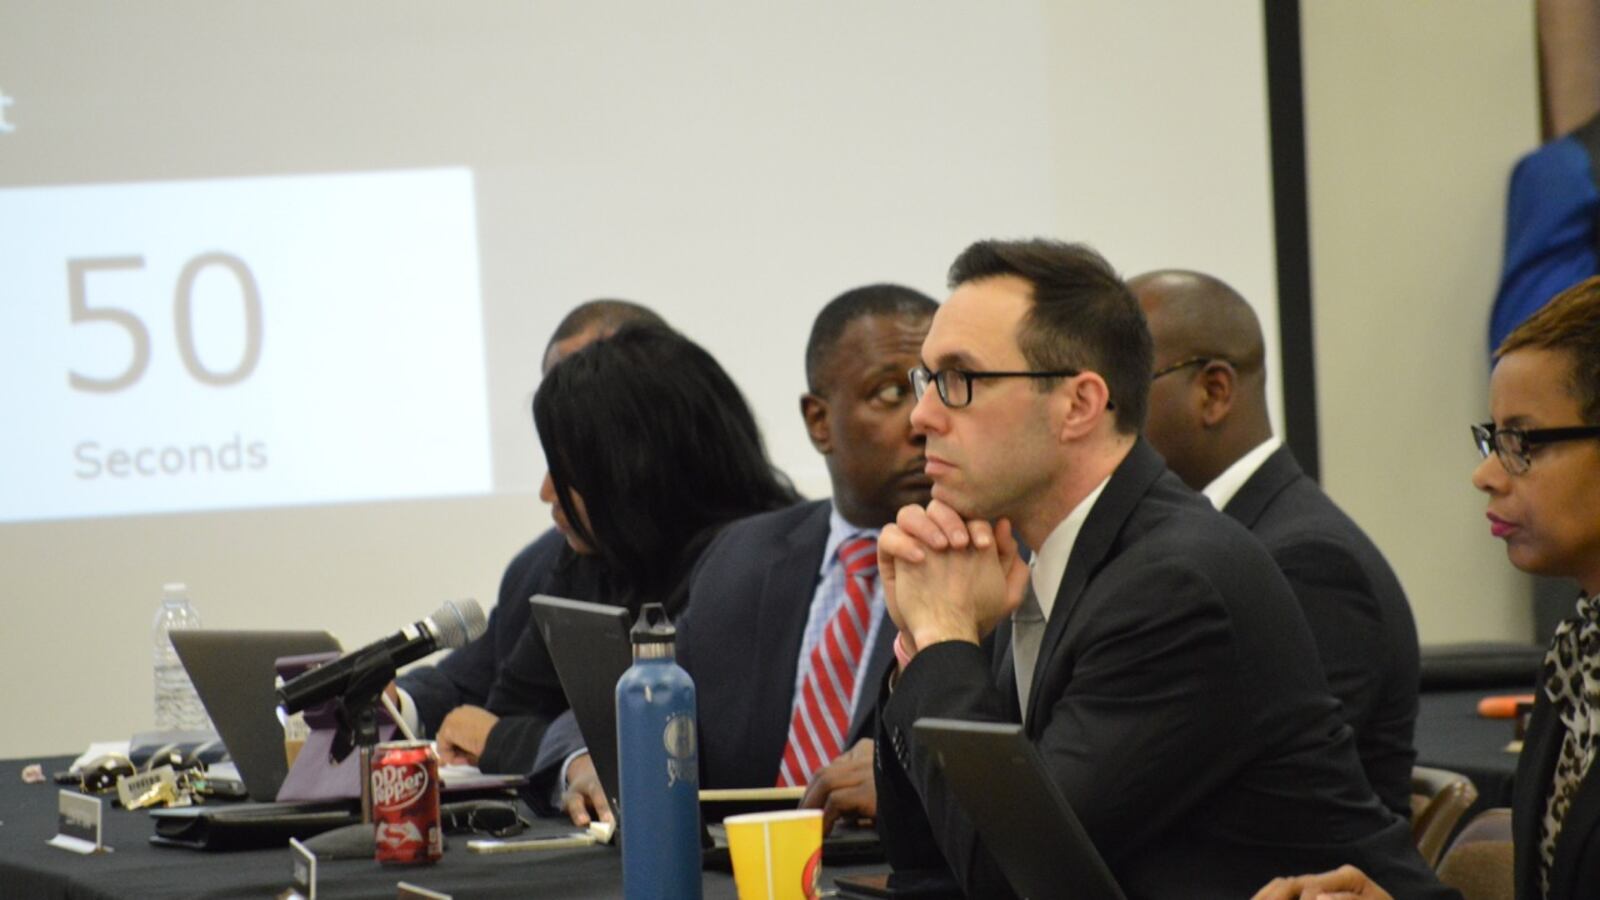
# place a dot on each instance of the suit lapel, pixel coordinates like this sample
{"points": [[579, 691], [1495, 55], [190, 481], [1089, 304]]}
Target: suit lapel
{"points": [[785, 604], [1535, 772], [1582, 818], [1005, 668], [1257, 493], [1127, 487], [878, 662]]}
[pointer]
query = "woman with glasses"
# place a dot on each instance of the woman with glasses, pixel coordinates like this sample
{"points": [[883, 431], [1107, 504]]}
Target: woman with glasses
{"points": [[651, 449], [1541, 475]]}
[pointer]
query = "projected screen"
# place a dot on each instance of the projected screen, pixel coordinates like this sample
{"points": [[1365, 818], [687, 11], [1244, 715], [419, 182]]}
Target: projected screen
{"points": [[241, 342], [276, 278], [310, 254]]}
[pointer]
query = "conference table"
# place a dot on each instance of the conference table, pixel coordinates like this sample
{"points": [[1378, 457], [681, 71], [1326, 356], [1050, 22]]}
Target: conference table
{"points": [[136, 869], [1451, 735]]}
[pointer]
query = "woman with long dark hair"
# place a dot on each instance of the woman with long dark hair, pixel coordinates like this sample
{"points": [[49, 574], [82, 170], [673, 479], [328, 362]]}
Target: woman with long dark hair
{"points": [[1541, 475], [651, 449]]}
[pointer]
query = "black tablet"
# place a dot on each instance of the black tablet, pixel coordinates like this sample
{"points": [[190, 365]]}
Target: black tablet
{"points": [[1024, 821]]}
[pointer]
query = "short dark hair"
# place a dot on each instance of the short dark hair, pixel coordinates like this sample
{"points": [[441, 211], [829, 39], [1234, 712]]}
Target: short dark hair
{"points": [[604, 313], [872, 300], [658, 441], [1083, 316], [1570, 322]]}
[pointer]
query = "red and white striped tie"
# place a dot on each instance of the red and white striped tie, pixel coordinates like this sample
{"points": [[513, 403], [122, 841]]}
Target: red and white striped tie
{"points": [[822, 712]]}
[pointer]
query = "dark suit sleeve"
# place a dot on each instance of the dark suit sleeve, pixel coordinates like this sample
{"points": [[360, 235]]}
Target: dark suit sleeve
{"points": [[526, 696], [1367, 664], [462, 678], [560, 740], [1139, 731], [434, 693], [921, 826], [465, 676]]}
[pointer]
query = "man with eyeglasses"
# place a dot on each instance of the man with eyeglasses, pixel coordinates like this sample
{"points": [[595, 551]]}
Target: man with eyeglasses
{"points": [[798, 590], [1208, 418], [1152, 651], [784, 631]]}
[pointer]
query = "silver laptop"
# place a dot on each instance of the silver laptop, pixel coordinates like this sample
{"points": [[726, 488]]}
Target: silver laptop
{"points": [[234, 672]]}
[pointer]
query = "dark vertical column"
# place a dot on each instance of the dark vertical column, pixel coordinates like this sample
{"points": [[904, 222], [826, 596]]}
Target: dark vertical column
{"points": [[1291, 221]]}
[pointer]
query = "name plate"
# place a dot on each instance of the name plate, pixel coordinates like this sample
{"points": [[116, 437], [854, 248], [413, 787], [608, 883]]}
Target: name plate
{"points": [[78, 824], [304, 886]]}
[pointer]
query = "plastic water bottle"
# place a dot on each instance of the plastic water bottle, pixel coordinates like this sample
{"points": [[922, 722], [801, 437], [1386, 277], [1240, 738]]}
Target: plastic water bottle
{"points": [[659, 781], [177, 705]]}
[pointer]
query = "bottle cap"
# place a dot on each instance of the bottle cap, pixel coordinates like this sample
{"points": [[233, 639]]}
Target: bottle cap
{"points": [[174, 587], [653, 626]]}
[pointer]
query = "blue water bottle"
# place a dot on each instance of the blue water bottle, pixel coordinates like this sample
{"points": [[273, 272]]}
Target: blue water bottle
{"points": [[660, 768]]}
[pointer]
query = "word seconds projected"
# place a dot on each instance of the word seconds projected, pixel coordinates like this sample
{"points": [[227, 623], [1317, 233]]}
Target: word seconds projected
{"points": [[242, 342]]}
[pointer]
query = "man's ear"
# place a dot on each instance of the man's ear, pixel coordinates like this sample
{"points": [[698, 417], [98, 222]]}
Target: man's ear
{"points": [[814, 411], [1083, 401], [1218, 381]]}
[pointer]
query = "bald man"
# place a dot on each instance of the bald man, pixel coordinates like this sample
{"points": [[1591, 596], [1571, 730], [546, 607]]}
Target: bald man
{"points": [[1208, 417]]}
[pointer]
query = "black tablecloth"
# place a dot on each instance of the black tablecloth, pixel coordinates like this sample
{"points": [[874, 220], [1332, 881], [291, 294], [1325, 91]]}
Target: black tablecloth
{"points": [[30, 869], [1451, 735]]}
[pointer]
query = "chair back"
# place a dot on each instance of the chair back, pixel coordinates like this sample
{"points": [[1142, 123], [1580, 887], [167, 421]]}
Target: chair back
{"points": [[1438, 800], [1480, 863]]}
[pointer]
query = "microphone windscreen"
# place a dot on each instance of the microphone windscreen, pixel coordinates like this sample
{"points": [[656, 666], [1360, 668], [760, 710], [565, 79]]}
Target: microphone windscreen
{"points": [[457, 622]]}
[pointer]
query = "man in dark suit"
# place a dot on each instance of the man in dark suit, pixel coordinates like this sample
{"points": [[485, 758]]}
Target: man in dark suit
{"points": [[1208, 418], [1159, 664], [446, 700], [756, 633]]}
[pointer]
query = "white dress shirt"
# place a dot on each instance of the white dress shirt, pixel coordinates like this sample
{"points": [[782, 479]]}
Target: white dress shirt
{"points": [[1046, 571], [1224, 486]]}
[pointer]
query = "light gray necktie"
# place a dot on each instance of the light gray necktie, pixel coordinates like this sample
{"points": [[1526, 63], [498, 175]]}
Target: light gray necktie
{"points": [[1027, 631]]}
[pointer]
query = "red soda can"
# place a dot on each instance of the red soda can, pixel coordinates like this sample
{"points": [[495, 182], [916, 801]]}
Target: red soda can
{"points": [[405, 803]]}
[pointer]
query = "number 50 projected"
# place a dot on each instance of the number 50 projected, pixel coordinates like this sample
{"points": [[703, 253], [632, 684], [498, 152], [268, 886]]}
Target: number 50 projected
{"points": [[78, 271], [225, 343]]}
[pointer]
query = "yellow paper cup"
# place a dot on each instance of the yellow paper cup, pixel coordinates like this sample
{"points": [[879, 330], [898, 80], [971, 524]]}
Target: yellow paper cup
{"points": [[776, 855]]}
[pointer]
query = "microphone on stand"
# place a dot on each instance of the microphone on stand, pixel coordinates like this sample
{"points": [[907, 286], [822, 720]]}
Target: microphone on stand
{"points": [[452, 625]]}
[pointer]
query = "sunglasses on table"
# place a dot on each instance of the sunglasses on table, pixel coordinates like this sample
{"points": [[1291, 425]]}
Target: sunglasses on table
{"points": [[489, 817]]}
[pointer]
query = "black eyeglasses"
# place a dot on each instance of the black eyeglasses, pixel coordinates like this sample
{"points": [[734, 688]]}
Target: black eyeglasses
{"points": [[1184, 364], [955, 385], [1515, 446], [495, 819]]}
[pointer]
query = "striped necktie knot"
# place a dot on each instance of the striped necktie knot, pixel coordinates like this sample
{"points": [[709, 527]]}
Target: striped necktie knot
{"points": [[860, 557]]}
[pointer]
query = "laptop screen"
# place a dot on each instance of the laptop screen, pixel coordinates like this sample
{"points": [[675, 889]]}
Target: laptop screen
{"points": [[233, 672]]}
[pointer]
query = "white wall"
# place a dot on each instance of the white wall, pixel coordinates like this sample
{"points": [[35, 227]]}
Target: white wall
{"points": [[1415, 113]]}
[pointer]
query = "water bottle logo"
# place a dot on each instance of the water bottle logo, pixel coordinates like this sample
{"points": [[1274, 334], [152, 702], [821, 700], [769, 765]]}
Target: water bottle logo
{"points": [[678, 737]]}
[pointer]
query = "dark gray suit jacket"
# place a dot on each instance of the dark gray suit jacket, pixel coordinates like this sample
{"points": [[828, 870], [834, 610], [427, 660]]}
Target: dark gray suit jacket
{"points": [[739, 638], [1365, 634], [1179, 706]]}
